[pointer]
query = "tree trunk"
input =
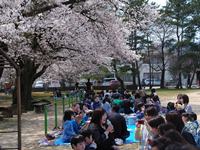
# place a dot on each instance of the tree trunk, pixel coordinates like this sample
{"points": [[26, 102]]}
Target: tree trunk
{"points": [[121, 82], [133, 70], [28, 75], [194, 72], [150, 75], [4, 47], [26, 86], [138, 75], [150, 69], [179, 84], [162, 82], [117, 75]]}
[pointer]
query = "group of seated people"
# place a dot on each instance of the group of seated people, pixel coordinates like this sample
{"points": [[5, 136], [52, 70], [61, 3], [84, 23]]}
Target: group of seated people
{"points": [[98, 123], [98, 131], [176, 129]]}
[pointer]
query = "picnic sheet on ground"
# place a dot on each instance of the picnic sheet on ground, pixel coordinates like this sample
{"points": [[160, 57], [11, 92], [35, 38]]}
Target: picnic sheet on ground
{"points": [[129, 140], [59, 141]]}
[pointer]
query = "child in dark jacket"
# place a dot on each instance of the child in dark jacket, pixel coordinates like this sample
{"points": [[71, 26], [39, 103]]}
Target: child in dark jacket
{"points": [[90, 144], [77, 142], [96, 104]]}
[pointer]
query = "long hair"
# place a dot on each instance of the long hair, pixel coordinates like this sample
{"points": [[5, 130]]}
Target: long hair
{"points": [[163, 128], [67, 115], [155, 122], [174, 135], [176, 120], [97, 116]]}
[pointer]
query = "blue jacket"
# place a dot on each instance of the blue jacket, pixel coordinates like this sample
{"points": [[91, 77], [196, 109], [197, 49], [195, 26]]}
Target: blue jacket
{"points": [[71, 128], [96, 105]]}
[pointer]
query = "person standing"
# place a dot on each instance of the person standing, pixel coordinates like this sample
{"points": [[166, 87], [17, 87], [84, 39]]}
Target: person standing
{"points": [[88, 86]]}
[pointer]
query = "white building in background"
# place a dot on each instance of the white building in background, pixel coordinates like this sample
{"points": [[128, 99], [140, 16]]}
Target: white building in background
{"points": [[156, 74], [54, 84], [170, 80], [43, 83]]}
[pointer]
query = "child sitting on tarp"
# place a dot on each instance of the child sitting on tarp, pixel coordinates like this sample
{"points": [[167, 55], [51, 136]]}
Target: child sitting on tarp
{"points": [[96, 104], [77, 142], [140, 112], [89, 141], [71, 126]]}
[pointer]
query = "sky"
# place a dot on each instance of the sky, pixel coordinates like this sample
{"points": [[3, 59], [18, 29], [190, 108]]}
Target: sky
{"points": [[159, 2]]}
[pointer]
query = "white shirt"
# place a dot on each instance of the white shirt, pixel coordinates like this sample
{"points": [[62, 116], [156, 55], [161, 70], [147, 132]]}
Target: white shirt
{"points": [[188, 108]]}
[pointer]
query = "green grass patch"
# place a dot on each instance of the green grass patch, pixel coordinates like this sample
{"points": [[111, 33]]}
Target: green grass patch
{"points": [[49, 96], [5, 97], [42, 94], [174, 92]]}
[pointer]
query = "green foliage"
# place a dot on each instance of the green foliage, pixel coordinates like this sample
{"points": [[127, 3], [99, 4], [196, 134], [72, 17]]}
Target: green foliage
{"points": [[103, 71], [137, 3], [195, 5], [124, 69], [188, 62], [178, 14]]}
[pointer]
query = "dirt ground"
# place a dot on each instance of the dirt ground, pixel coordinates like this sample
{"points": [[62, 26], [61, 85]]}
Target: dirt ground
{"points": [[33, 127]]}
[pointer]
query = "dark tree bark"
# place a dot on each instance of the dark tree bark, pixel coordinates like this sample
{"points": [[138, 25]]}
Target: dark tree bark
{"points": [[117, 75], [138, 76], [162, 81], [134, 76], [29, 74], [163, 69], [4, 47], [193, 74], [179, 84], [150, 75], [121, 82]]}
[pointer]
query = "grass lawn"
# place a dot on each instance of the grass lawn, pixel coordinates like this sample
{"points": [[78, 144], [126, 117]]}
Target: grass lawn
{"points": [[174, 92], [164, 94]]}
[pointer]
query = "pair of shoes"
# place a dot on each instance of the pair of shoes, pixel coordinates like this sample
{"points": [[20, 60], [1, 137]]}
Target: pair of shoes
{"points": [[50, 137], [119, 141]]}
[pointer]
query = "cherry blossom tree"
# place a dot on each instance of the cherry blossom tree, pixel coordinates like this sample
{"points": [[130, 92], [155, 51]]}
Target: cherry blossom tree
{"points": [[69, 36]]}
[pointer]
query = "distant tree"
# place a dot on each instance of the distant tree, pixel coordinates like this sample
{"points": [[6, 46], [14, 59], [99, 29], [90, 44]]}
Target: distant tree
{"points": [[178, 15], [190, 63], [163, 34], [139, 15]]}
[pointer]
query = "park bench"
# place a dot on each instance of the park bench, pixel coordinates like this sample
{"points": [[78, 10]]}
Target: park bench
{"points": [[40, 104], [5, 112]]}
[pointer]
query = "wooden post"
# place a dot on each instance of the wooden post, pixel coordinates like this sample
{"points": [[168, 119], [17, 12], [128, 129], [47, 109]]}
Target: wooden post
{"points": [[63, 103], [45, 119], [55, 112], [19, 109]]}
